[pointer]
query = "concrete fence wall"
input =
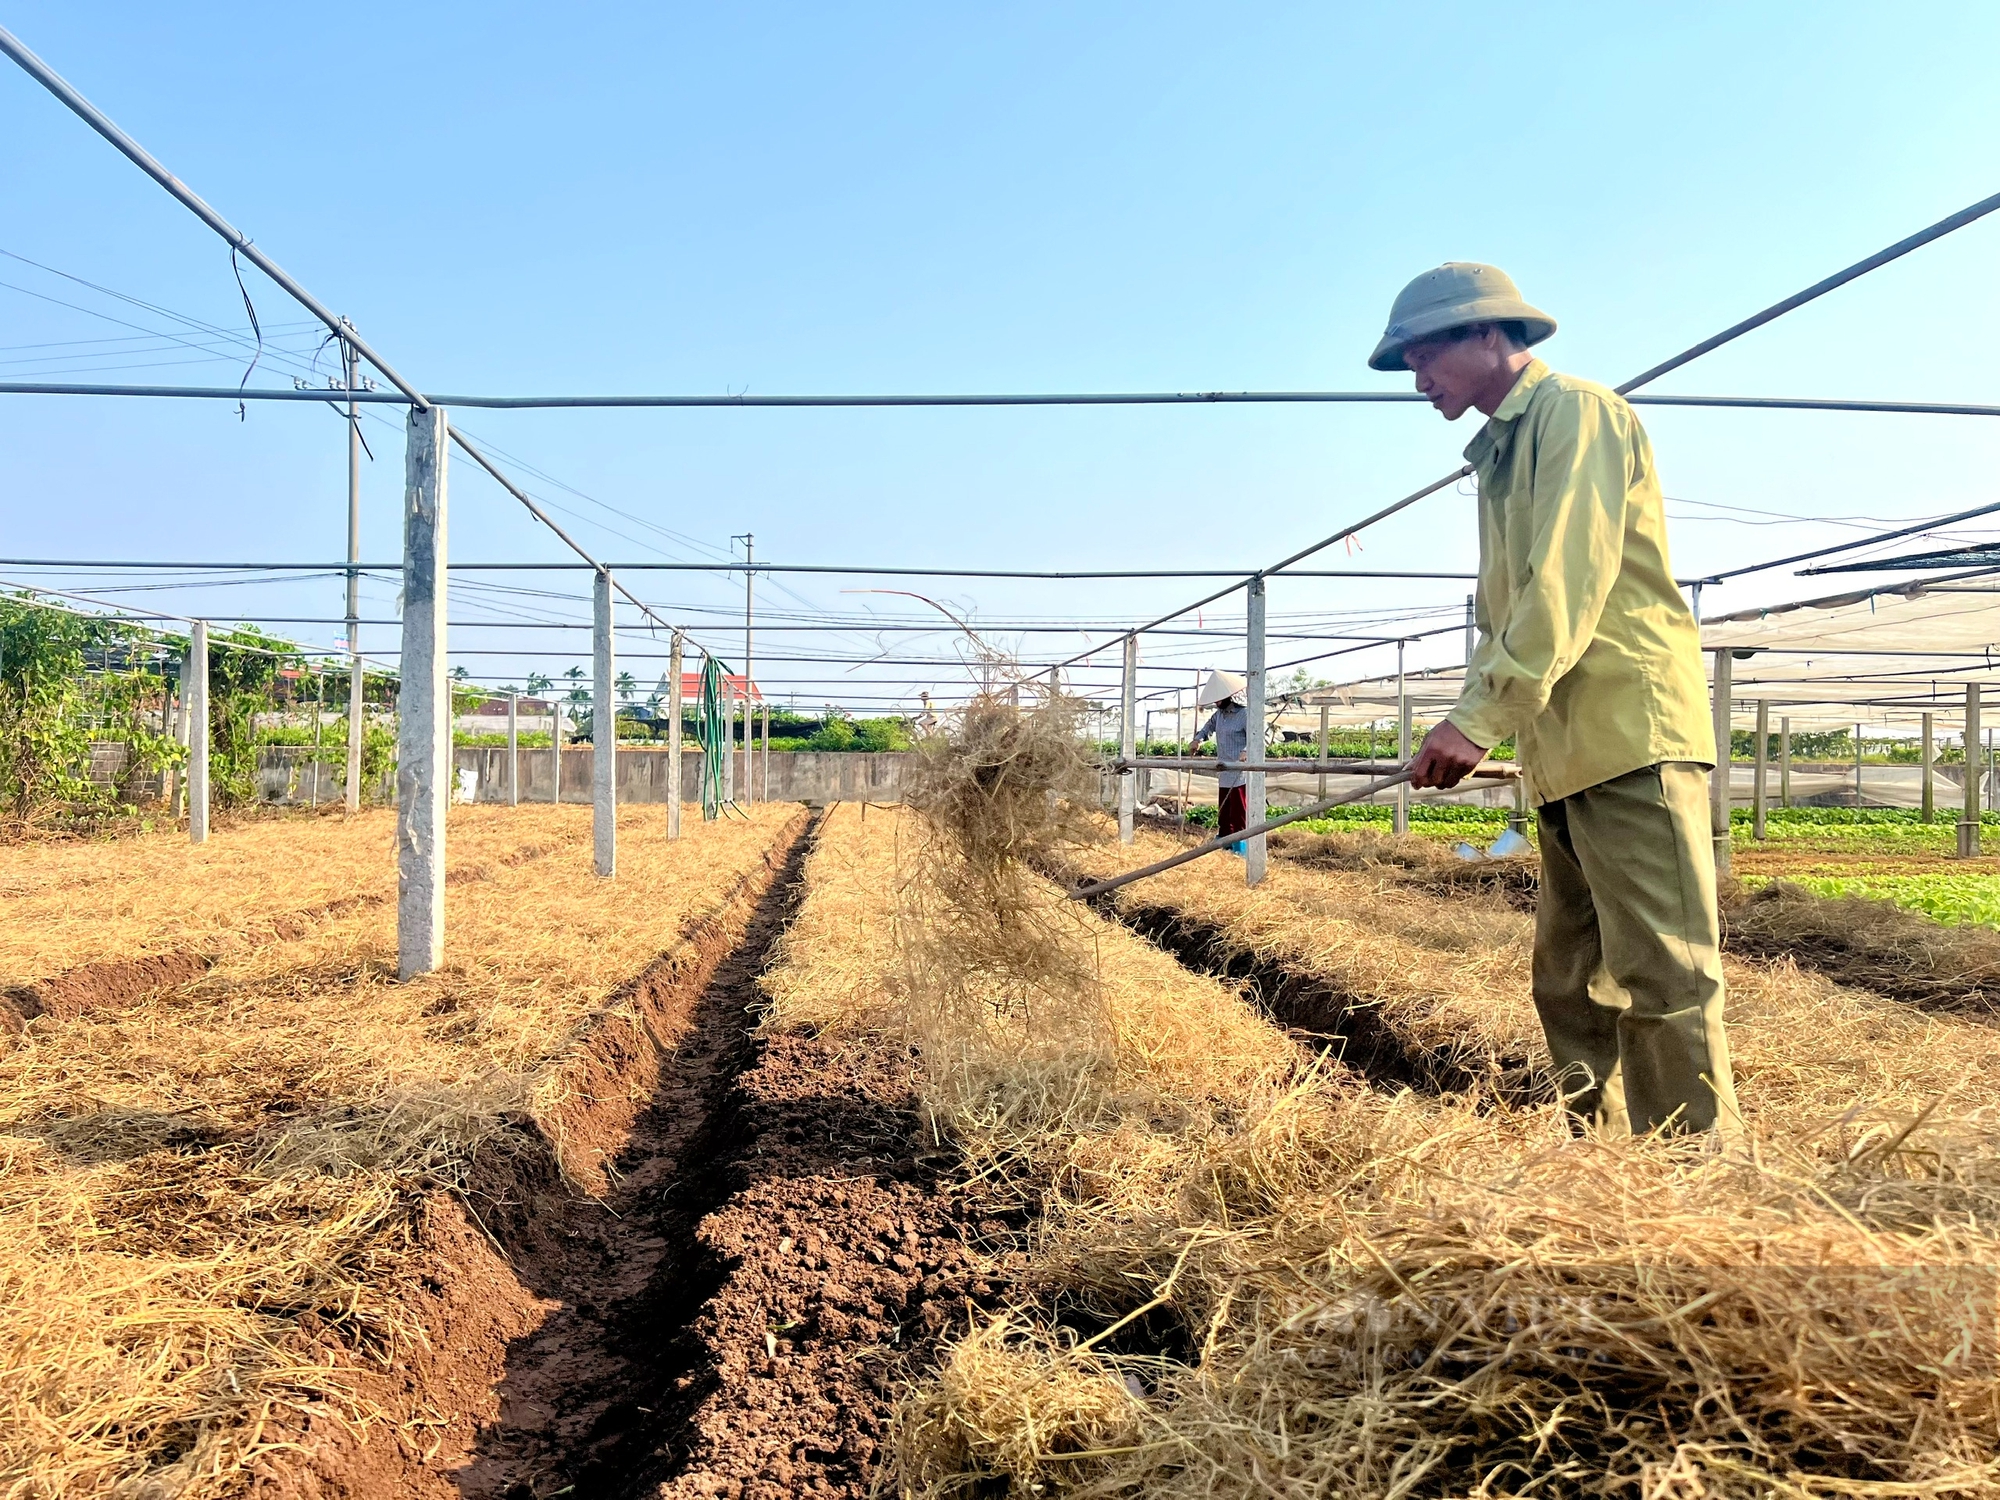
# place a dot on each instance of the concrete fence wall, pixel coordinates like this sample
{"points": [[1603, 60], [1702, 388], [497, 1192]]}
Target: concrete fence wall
{"points": [[643, 772]]}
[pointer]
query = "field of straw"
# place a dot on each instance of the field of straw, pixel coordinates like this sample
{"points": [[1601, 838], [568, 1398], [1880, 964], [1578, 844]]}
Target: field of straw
{"points": [[1258, 1272], [207, 1199], [67, 905]]}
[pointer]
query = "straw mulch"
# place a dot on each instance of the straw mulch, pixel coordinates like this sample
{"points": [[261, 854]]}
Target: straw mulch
{"points": [[1886, 947], [1388, 1294], [1426, 864], [65, 905], [206, 1200], [1449, 978]]}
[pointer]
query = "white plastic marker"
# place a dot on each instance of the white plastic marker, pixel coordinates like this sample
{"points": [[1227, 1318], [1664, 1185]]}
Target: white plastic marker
{"points": [[1099, 887]]}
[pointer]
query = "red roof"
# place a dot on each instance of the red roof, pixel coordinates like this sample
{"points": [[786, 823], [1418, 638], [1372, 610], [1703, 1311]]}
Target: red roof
{"points": [[691, 686]]}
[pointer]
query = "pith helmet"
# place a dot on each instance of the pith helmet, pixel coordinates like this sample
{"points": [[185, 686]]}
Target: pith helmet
{"points": [[1455, 294], [1220, 685]]}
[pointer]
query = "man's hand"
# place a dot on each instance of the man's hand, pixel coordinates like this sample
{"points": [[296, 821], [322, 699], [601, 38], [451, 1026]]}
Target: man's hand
{"points": [[1444, 758]]}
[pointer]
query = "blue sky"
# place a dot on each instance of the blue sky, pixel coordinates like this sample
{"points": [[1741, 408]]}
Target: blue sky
{"points": [[509, 198]]}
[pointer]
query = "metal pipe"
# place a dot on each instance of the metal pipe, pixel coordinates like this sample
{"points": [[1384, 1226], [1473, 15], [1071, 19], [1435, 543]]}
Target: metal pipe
{"points": [[1215, 845], [1819, 289], [1089, 398], [1499, 769], [238, 242]]}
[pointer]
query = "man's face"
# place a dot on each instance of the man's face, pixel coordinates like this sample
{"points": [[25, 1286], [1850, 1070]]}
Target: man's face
{"points": [[1452, 371]]}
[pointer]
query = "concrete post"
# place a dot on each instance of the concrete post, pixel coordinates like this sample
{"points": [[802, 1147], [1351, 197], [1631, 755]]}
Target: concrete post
{"points": [[1253, 745], [555, 745], [423, 726], [1929, 774], [674, 654], [513, 749], [1128, 702], [1857, 765], [1718, 781], [197, 726], [767, 750], [1324, 710], [1400, 819], [729, 741], [603, 734], [1968, 823], [1763, 762], [1784, 762]]}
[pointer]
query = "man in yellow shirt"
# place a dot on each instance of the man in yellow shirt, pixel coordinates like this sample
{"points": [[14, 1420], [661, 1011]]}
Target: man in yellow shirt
{"points": [[1590, 658]]}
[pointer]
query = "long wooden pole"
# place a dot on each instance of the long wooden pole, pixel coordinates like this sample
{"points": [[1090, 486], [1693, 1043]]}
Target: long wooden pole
{"points": [[423, 724]]}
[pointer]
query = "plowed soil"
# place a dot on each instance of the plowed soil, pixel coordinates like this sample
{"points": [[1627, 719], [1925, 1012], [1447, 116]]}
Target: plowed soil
{"points": [[773, 1254]]}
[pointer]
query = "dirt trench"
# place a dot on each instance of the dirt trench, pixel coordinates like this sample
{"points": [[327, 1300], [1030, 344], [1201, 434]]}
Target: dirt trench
{"points": [[1328, 1017], [774, 1254]]}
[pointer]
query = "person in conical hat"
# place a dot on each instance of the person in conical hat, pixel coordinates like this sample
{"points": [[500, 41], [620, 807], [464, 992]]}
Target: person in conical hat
{"points": [[1230, 727], [1588, 656]]}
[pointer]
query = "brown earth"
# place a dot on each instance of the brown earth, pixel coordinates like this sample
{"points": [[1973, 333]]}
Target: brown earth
{"points": [[773, 1251]]}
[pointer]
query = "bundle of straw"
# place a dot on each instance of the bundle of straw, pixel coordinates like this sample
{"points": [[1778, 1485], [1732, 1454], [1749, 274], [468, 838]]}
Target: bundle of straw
{"points": [[999, 973]]}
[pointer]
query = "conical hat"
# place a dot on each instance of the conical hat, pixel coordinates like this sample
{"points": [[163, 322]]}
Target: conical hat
{"points": [[1220, 685]]}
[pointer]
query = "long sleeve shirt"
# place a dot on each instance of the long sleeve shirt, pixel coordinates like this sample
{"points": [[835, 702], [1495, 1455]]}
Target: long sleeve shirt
{"points": [[1587, 652], [1231, 728]]}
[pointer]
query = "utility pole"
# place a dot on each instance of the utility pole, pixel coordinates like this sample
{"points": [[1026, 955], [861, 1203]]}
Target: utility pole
{"points": [[355, 703]]}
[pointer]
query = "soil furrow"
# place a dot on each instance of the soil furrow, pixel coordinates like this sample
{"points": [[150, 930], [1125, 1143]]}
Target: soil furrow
{"points": [[1328, 1016]]}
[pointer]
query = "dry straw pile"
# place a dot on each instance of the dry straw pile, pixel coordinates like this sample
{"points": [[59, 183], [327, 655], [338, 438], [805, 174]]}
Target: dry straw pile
{"points": [[1381, 1293], [206, 1200], [999, 973]]}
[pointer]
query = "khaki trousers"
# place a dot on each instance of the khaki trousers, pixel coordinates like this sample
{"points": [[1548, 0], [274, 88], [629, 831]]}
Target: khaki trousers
{"points": [[1628, 967]]}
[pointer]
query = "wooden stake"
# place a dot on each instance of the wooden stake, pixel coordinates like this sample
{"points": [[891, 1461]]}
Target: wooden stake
{"points": [[423, 724]]}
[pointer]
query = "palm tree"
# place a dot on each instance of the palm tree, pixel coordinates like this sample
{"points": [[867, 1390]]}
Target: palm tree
{"points": [[538, 683], [627, 686]]}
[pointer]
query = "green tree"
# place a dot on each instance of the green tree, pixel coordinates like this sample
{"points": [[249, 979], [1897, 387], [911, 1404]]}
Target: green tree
{"points": [[44, 747]]}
